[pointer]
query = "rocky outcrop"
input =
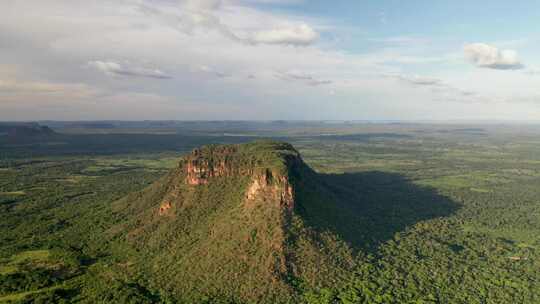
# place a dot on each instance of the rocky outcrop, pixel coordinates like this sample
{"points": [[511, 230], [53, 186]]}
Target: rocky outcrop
{"points": [[268, 173], [275, 188], [164, 207], [198, 170], [200, 167]]}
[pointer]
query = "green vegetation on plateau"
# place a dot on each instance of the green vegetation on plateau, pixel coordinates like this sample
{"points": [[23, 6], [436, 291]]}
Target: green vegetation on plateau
{"points": [[382, 214]]}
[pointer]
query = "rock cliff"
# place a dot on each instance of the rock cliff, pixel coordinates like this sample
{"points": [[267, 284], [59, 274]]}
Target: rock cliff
{"points": [[268, 174]]}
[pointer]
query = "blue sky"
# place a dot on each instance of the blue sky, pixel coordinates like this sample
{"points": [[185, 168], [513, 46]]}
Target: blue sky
{"points": [[269, 59]]}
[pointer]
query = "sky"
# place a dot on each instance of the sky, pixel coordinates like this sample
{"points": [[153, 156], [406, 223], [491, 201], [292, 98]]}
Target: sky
{"points": [[269, 59]]}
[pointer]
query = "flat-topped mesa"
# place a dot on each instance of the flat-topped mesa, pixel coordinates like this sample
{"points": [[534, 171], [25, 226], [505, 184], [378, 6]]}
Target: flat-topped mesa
{"points": [[229, 217], [267, 163], [268, 158]]}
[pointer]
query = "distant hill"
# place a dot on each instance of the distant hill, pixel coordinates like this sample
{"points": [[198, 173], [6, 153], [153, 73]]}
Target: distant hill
{"points": [[24, 130], [249, 223]]}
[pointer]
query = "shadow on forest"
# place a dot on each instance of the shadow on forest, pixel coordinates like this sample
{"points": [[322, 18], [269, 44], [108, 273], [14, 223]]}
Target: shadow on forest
{"points": [[367, 209]]}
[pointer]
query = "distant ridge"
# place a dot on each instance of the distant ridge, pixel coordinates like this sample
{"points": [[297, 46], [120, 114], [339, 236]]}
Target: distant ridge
{"points": [[25, 130]]}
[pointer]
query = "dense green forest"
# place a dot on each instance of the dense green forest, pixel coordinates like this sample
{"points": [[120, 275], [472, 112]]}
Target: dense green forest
{"points": [[432, 213]]}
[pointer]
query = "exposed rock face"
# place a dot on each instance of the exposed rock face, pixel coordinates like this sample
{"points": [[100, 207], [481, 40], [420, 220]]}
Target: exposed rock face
{"points": [[165, 206], [271, 182], [199, 167], [277, 188]]}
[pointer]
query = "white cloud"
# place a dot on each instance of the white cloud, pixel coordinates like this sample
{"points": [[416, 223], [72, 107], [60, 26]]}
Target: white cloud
{"points": [[208, 17], [302, 77], [209, 70], [299, 35], [415, 79], [116, 69], [442, 90], [204, 4], [487, 56], [187, 19], [224, 55]]}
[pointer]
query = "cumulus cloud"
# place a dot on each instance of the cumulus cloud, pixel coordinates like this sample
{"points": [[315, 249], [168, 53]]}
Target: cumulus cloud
{"points": [[234, 41], [114, 68], [302, 77], [300, 35], [205, 16], [487, 56], [189, 19]]}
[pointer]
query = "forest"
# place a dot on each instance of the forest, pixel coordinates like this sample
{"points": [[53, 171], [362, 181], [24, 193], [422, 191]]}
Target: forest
{"points": [[444, 213]]}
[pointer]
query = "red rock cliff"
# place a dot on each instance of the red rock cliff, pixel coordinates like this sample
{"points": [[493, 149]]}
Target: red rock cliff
{"points": [[266, 182], [267, 173]]}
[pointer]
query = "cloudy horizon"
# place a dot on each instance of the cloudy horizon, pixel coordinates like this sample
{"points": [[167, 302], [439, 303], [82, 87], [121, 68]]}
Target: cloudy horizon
{"points": [[268, 60]]}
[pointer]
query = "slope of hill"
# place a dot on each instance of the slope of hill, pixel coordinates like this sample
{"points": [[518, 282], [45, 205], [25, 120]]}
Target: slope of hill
{"points": [[236, 222]]}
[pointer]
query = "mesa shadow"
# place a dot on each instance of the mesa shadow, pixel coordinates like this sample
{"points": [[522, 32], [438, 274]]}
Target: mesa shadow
{"points": [[368, 208]]}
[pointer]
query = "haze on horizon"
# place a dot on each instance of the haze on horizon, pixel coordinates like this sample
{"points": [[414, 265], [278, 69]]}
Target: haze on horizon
{"points": [[269, 59]]}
